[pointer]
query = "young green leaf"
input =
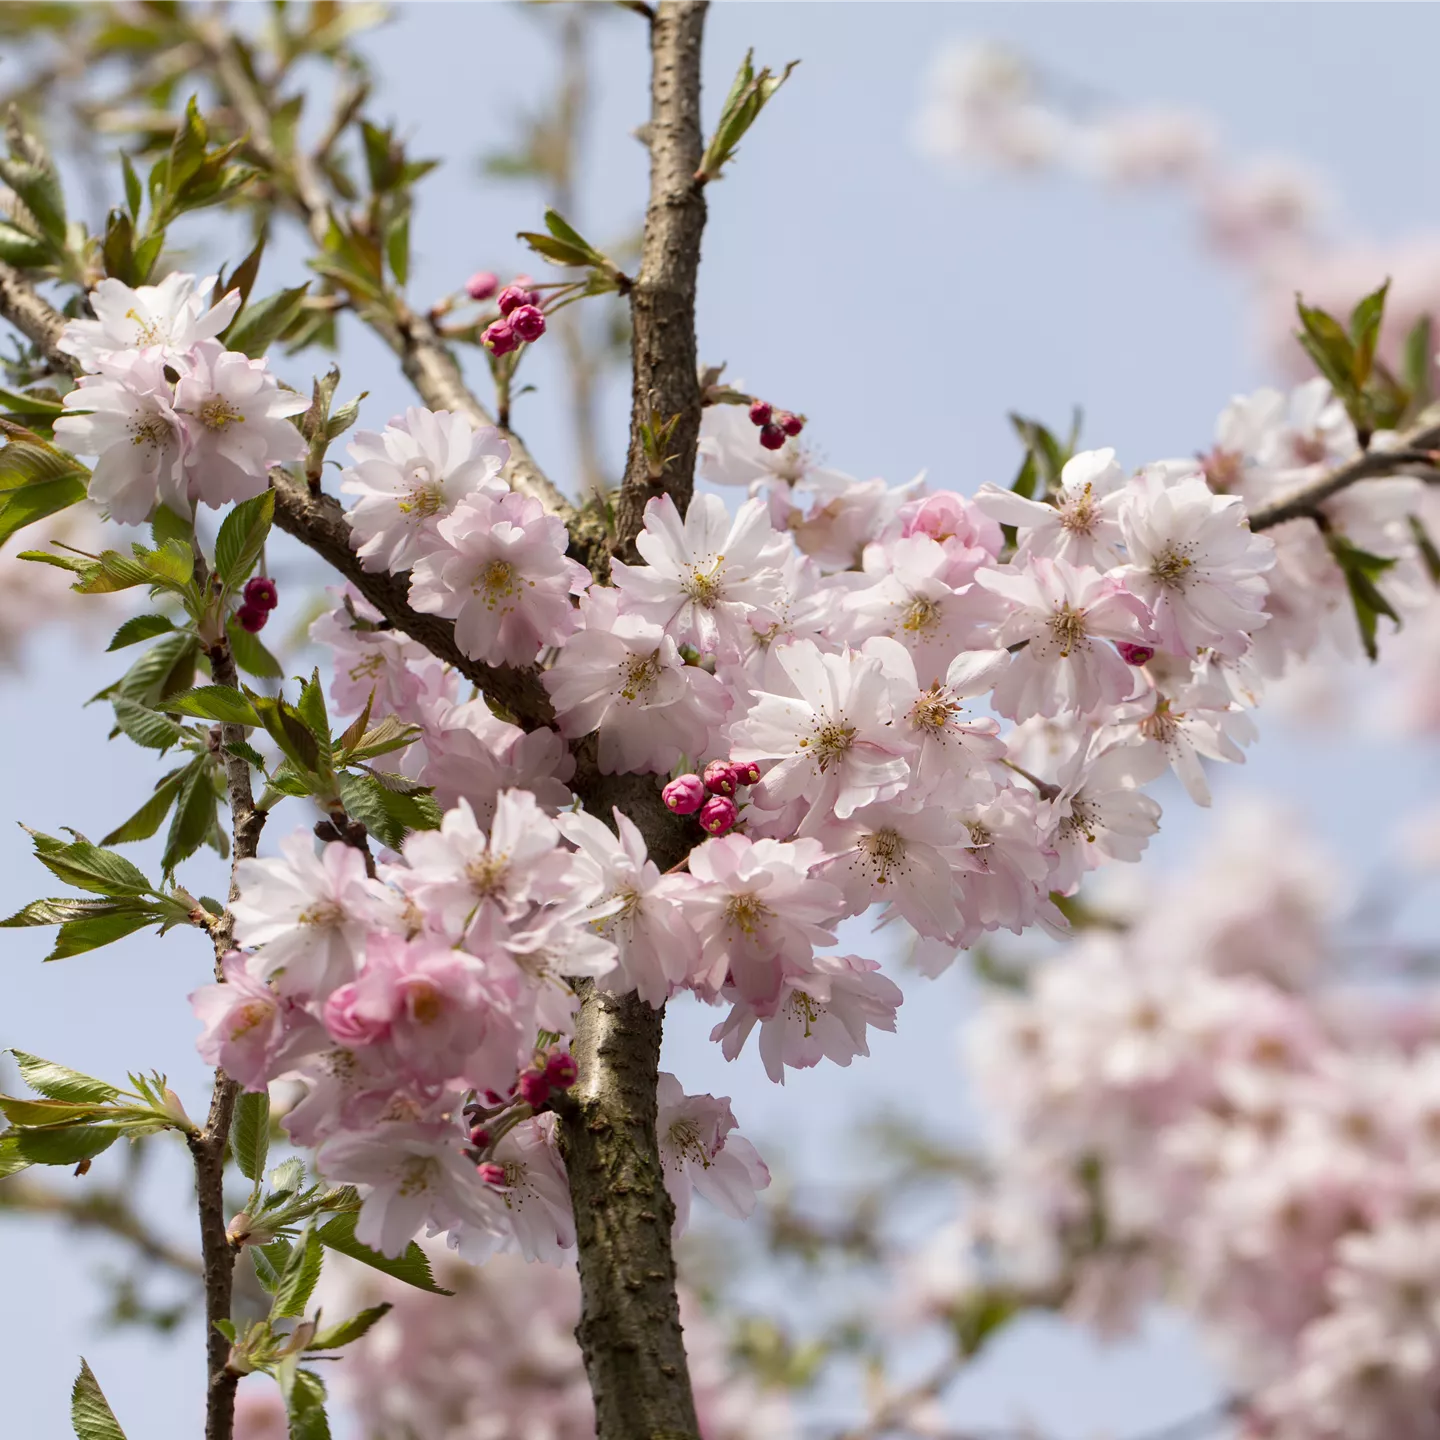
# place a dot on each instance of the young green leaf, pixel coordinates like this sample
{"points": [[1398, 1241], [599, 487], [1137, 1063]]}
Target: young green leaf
{"points": [[196, 807], [411, 1266], [146, 820], [138, 628], [242, 537], [258, 325], [65, 1145], [88, 867], [250, 1133], [147, 728], [25, 506], [334, 1336], [56, 1082], [215, 702], [90, 1412], [250, 655], [297, 1282], [311, 708], [75, 937], [305, 1407], [1365, 321]]}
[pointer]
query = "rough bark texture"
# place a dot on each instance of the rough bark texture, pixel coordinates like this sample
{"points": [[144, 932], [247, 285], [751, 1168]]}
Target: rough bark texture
{"points": [[665, 382], [207, 1149], [629, 1329], [318, 522], [36, 320]]}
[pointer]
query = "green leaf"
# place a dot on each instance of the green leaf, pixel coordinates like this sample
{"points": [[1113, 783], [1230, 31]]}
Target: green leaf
{"points": [[28, 171], [385, 813], [90, 1412], [287, 1175], [311, 708], [47, 1112], [246, 752], [269, 1261], [1365, 321], [65, 1145], [25, 506], [12, 1162], [242, 537], [305, 1406], [979, 1316], [397, 248], [243, 278], [88, 867], [77, 936], [265, 321], [553, 250], [56, 1082], [146, 728], [1418, 367], [215, 702], [411, 1266], [165, 525], [146, 820], [58, 909], [196, 809], [133, 192], [347, 1330], [19, 247], [250, 655], [749, 94], [1361, 569], [138, 628], [297, 1283], [250, 1132], [166, 668]]}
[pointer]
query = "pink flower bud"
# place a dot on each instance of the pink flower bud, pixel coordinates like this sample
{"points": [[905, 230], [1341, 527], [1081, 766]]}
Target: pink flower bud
{"points": [[252, 618], [491, 1098], [790, 424], [561, 1069], [746, 772], [534, 1088], [351, 1019], [482, 285], [499, 338], [528, 322], [772, 437], [760, 412], [719, 778], [512, 297], [1134, 654], [684, 795], [718, 815], [490, 1173], [261, 593], [479, 1137]]}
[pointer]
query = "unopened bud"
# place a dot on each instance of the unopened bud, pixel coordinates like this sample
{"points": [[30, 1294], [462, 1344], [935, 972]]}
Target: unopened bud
{"points": [[482, 285], [772, 437], [499, 338], [760, 412], [719, 778], [746, 772], [718, 815], [1135, 654], [561, 1070], [790, 424], [528, 322], [261, 592], [685, 794], [252, 618], [480, 1137], [512, 297], [534, 1088], [490, 1173]]}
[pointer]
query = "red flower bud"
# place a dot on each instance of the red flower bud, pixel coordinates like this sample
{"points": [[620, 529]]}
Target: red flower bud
{"points": [[760, 412], [790, 424], [479, 1137], [491, 1173], [561, 1069], [261, 593], [252, 618], [719, 778], [534, 1089], [482, 285], [513, 296], [499, 338], [718, 815], [685, 794], [746, 772], [1134, 654], [528, 322], [772, 437]]}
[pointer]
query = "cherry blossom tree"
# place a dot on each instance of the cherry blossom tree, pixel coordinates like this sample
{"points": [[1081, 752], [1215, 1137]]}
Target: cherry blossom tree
{"points": [[587, 748]]}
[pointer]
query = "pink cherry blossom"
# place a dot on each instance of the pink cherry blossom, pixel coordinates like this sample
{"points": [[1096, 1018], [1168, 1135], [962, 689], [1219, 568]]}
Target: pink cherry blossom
{"points": [[170, 319], [1080, 523], [534, 1215], [702, 1155], [250, 1031]]}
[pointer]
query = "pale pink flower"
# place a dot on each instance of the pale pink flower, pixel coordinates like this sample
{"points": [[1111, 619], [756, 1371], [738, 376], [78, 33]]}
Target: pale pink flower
{"points": [[624, 677], [412, 1173], [822, 1010], [250, 1031], [411, 476], [704, 575], [236, 424], [1080, 523], [170, 318], [1194, 561], [501, 573], [134, 433], [1008, 888], [638, 909], [731, 454], [534, 1211], [832, 737], [1100, 813], [310, 914], [969, 536], [372, 662], [1062, 615], [758, 904], [701, 1154]]}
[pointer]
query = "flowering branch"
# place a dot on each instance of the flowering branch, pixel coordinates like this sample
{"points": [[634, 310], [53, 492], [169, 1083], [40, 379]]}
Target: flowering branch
{"points": [[666, 387], [207, 1147], [1371, 465]]}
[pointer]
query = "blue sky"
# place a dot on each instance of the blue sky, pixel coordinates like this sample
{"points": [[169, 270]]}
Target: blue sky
{"points": [[905, 311]]}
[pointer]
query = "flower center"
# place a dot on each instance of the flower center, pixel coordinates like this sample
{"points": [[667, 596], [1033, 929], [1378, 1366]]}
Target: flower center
{"points": [[1083, 819], [921, 615], [416, 1175], [684, 1138], [497, 580], [486, 873], [1307, 449], [1078, 517], [885, 848], [326, 914], [933, 711], [747, 913], [1067, 627], [146, 331], [805, 1010], [423, 494], [830, 743], [1171, 567], [426, 1003], [1222, 469], [151, 431], [250, 1016], [706, 587], [217, 412], [640, 673]]}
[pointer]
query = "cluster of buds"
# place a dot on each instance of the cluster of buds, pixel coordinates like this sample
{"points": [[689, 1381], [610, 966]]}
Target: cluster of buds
{"points": [[521, 318], [712, 793], [261, 597], [776, 426], [552, 1072]]}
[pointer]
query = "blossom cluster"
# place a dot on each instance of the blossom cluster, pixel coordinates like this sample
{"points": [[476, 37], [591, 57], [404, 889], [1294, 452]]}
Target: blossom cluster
{"points": [[171, 415], [1202, 1104]]}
